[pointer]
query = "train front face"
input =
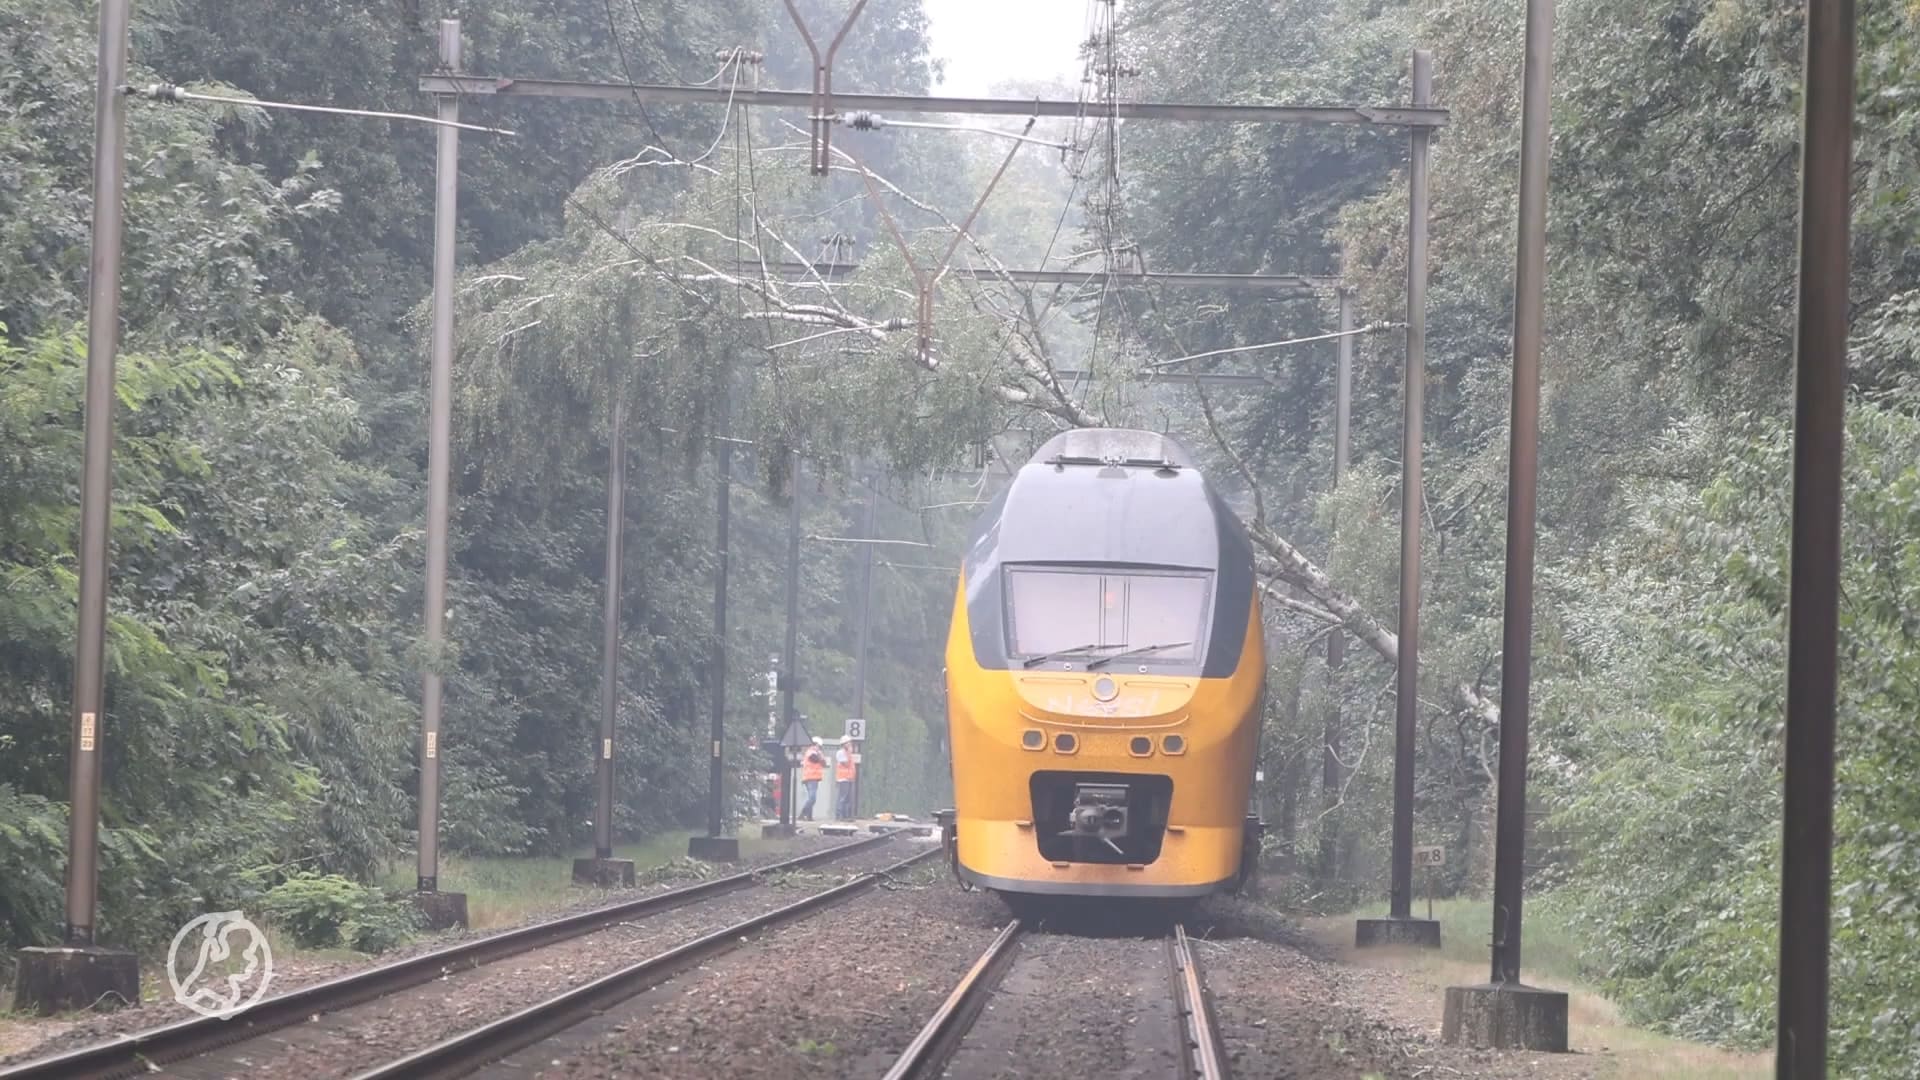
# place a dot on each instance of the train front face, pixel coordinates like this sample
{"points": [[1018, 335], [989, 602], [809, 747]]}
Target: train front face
{"points": [[1104, 677]]}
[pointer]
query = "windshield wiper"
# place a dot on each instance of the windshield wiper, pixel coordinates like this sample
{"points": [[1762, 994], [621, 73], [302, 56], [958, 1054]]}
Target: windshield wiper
{"points": [[1092, 664], [1058, 653]]}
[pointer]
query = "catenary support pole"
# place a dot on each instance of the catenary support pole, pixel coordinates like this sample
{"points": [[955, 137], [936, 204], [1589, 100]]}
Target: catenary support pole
{"points": [[1330, 769], [80, 974], [1505, 1013], [439, 480], [610, 627], [1407, 703], [790, 656], [1820, 383], [603, 870], [866, 625], [1523, 467], [96, 476], [717, 676]]}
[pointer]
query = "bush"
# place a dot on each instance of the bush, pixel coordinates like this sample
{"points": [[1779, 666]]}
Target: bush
{"points": [[330, 911]]}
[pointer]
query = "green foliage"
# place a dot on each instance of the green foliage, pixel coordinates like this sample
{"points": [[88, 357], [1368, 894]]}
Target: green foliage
{"points": [[330, 911], [1676, 795], [263, 645], [33, 836]]}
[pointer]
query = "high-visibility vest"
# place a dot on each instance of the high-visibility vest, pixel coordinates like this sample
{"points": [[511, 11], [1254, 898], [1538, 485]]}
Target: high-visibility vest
{"points": [[814, 767], [843, 770]]}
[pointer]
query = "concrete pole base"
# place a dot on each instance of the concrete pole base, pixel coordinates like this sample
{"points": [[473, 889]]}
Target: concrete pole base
{"points": [[73, 978], [443, 910], [1505, 1016], [714, 848], [777, 832], [603, 873], [1376, 933]]}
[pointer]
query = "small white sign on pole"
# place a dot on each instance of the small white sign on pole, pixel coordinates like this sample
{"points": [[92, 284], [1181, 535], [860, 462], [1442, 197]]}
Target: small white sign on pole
{"points": [[856, 730]]}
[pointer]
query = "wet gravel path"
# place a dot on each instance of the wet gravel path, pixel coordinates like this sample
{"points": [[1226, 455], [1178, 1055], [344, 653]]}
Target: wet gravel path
{"points": [[1077, 1006], [1289, 1010], [837, 994], [292, 973], [355, 1039]]}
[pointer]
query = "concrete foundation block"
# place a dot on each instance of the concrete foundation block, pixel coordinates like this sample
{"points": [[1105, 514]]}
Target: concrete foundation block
{"points": [[1414, 933], [1505, 1016], [603, 873], [73, 978], [838, 830], [777, 832], [443, 910], [714, 848]]}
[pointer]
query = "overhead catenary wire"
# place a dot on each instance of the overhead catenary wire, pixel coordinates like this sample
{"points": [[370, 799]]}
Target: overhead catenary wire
{"points": [[872, 121], [172, 93], [620, 46], [864, 540], [1370, 328]]}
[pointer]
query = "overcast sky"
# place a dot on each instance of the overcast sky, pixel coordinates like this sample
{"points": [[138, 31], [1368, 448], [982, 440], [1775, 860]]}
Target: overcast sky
{"points": [[986, 41]]}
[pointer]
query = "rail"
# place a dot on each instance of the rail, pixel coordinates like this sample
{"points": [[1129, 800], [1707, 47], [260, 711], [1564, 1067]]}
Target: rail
{"points": [[1205, 1058], [933, 1047]]}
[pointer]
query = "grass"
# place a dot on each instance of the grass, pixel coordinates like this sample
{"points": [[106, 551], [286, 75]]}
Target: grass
{"points": [[1549, 948], [1551, 957], [507, 891], [500, 892]]}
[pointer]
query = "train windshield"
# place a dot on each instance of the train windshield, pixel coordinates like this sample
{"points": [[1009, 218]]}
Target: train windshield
{"points": [[1095, 612]]}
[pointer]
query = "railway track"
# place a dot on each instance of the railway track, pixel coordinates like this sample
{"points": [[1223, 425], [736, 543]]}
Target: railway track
{"points": [[141, 1052], [489, 1043], [1200, 1053]]}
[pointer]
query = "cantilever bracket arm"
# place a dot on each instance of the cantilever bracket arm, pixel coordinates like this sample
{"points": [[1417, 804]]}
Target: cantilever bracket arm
{"points": [[924, 281], [822, 104]]}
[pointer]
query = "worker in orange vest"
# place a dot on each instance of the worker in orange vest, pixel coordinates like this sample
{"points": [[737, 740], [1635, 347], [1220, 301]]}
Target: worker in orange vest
{"points": [[843, 783], [813, 769]]}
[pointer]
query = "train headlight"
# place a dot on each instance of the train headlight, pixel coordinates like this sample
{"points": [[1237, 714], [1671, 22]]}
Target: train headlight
{"points": [[1105, 689]]}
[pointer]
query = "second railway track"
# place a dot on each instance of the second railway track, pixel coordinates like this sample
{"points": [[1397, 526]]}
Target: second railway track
{"points": [[489, 1043], [175, 1049], [1192, 1039]]}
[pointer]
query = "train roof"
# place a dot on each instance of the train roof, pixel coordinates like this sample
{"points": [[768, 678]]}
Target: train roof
{"points": [[1112, 496], [1113, 446]]}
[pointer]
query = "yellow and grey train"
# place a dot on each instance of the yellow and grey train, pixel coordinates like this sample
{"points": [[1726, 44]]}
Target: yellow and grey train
{"points": [[1105, 679]]}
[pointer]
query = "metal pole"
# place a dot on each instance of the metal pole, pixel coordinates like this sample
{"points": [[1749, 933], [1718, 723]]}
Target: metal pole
{"points": [[439, 467], [1337, 640], [96, 476], [790, 660], [1516, 648], [716, 771], [1820, 383], [1407, 704], [610, 626], [866, 628]]}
